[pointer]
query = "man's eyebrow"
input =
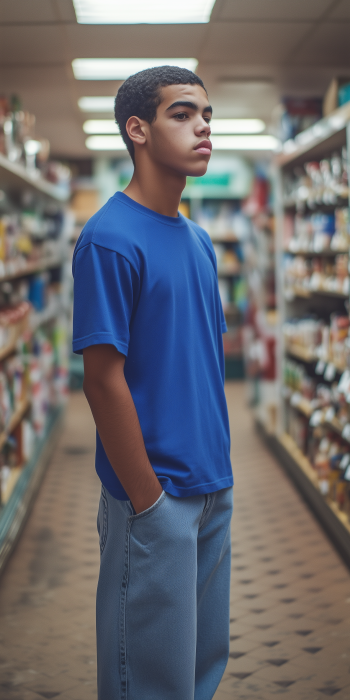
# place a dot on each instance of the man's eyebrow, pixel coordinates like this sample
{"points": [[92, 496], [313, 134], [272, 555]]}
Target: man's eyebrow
{"points": [[191, 105]]}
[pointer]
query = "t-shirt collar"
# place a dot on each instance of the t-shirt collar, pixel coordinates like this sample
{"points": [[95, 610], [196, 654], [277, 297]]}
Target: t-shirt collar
{"points": [[161, 218]]}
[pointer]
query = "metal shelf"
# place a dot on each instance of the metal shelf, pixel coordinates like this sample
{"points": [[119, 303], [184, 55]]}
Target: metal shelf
{"points": [[32, 269], [229, 238], [15, 419], [309, 293], [229, 271], [290, 203], [324, 136], [16, 177], [13, 515], [327, 253], [334, 521], [305, 355]]}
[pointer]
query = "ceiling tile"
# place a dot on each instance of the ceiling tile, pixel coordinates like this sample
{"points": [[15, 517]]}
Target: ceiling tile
{"points": [[251, 42], [24, 78], [274, 9], [168, 41], [328, 45], [242, 100], [30, 45], [341, 11], [65, 10], [65, 135], [26, 11], [96, 87], [54, 101]]}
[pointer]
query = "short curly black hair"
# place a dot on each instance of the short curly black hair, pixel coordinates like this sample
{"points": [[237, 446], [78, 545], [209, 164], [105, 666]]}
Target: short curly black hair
{"points": [[140, 95]]}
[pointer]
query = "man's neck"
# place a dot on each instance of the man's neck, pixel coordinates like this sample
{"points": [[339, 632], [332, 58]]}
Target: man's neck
{"points": [[156, 188]]}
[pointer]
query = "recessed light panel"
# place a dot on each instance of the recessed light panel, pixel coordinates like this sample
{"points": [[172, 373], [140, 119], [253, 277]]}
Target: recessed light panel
{"points": [[142, 11], [105, 143], [237, 126], [100, 126], [96, 104], [122, 68], [262, 142]]}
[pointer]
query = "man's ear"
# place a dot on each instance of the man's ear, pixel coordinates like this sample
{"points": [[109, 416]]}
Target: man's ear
{"points": [[136, 130]]}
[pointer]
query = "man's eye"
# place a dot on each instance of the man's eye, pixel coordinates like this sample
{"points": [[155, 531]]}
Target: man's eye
{"points": [[181, 116], [207, 119]]}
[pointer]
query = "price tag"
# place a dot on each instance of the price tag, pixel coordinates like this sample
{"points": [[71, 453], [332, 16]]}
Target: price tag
{"points": [[330, 413], [324, 487], [346, 432], [344, 462], [330, 372], [316, 419], [344, 382], [295, 398], [320, 367], [347, 474]]}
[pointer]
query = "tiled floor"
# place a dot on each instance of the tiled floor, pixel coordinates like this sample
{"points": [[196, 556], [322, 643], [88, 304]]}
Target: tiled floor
{"points": [[290, 608]]}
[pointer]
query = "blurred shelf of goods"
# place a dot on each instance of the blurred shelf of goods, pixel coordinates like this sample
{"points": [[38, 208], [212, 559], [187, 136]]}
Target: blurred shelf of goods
{"points": [[84, 202], [215, 203], [35, 308], [261, 317], [312, 434]]}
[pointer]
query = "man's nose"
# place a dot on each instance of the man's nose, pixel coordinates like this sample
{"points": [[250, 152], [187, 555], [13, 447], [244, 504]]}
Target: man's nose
{"points": [[204, 127]]}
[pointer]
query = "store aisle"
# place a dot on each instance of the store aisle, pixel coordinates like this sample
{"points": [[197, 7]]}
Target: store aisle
{"points": [[290, 631], [290, 592]]}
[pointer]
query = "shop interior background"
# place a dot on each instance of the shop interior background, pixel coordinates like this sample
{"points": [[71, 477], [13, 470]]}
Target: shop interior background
{"points": [[275, 202]]}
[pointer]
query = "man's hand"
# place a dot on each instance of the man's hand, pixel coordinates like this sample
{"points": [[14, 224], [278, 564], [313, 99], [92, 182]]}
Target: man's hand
{"points": [[118, 425]]}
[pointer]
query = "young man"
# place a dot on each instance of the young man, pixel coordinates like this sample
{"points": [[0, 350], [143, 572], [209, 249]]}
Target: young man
{"points": [[148, 319]]}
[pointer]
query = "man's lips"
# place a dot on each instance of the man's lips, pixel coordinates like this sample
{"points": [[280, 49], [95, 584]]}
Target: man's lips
{"points": [[204, 147]]}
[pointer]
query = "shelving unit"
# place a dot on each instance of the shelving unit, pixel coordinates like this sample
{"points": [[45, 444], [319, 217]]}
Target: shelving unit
{"points": [[32, 403], [230, 272], [15, 177], [312, 436], [260, 329], [214, 201]]}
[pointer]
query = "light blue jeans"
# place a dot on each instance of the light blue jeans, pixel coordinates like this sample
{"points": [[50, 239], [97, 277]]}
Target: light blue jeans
{"points": [[163, 597]]}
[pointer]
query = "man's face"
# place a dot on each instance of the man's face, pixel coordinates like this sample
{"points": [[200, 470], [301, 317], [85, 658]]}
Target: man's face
{"points": [[179, 137]]}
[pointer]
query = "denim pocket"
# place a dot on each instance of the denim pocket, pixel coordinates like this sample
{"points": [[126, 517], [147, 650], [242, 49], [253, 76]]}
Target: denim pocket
{"points": [[102, 519], [150, 510]]}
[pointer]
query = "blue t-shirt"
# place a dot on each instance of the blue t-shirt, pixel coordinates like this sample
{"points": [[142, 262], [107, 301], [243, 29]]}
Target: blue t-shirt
{"points": [[147, 284]]}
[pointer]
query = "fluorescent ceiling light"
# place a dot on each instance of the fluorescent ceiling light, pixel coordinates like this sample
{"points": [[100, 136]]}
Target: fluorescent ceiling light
{"points": [[105, 143], [220, 143], [218, 126], [96, 104], [237, 126], [142, 11], [122, 68], [245, 143], [100, 126]]}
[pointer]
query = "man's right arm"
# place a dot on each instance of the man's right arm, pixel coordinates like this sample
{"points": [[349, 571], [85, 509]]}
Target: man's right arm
{"points": [[118, 425]]}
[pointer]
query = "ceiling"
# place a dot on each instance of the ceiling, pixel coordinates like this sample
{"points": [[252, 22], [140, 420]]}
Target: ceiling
{"points": [[250, 53]]}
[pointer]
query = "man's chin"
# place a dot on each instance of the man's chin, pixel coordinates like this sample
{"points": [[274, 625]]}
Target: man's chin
{"points": [[198, 170]]}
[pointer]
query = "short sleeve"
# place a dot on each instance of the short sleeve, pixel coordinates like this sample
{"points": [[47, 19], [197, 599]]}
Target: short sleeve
{"points": [[105, 291], [222, 315]]}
